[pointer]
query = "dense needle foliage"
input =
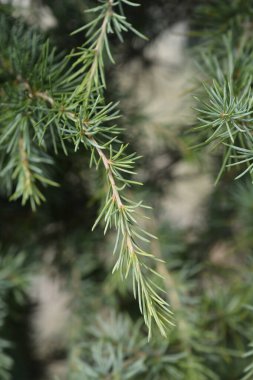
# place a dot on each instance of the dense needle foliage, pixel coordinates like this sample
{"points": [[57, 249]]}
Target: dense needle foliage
{"points": [[56, 105], [66, 168]]}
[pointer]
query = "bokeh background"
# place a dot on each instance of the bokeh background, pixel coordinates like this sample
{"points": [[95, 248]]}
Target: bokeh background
{"points": [[65, 316]]}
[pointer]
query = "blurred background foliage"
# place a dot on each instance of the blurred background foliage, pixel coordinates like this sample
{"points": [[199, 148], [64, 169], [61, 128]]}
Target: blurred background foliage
{"points": [[62, 314]]}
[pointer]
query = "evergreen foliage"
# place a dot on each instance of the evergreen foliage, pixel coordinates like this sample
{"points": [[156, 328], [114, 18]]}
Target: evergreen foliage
{"points": [[14, 279], [55, 122], [58, 105], [225, 116]]}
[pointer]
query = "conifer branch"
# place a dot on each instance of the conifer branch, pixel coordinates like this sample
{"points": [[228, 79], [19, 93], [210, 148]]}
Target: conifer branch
{"points": [[71, 108], [118, 210], [225, 111]]}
